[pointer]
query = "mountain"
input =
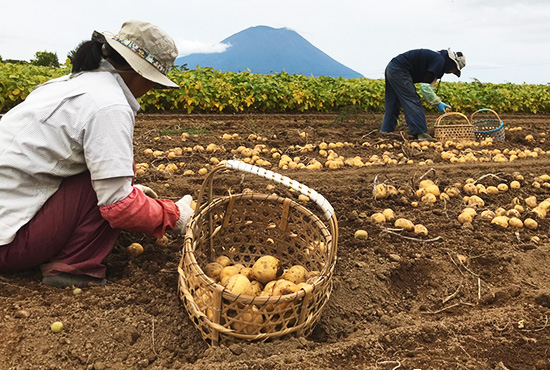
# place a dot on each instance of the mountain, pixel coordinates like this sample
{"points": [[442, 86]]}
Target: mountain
{"points": [[266, 50]]}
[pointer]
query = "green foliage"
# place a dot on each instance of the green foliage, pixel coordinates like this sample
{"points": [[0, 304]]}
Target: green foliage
{"points": [[18, 80], [208, 90], [45, 59]]}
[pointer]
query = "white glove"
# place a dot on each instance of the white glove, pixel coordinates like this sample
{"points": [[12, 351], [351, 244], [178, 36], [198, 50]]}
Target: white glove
{"points": [[147, 191], [184, 205]]}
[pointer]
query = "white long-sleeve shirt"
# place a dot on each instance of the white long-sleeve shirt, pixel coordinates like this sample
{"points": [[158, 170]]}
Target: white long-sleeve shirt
{"points": [[63, 128]]}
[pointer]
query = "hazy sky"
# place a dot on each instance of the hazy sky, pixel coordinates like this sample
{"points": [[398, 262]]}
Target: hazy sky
{"points": [[502, 40]]}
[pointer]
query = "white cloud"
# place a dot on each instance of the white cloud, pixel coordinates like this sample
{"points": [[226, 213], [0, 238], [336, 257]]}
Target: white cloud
{"points": [[186, 47]]}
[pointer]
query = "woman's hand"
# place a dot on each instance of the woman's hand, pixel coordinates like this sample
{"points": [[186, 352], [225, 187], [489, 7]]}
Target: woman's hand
{"points": [[147, 191], [186, 212], [442, 107]]}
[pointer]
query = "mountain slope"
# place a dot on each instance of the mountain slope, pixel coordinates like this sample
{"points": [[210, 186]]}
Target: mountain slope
{"points": [[265, 50]]}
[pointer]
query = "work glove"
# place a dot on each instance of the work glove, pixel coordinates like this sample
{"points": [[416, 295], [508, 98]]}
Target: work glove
{"points": [[147, 191], [184, 205], [442, 107]]}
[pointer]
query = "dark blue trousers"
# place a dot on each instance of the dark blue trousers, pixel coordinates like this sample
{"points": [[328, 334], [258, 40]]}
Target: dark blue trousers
{"points": [[401, 93]]}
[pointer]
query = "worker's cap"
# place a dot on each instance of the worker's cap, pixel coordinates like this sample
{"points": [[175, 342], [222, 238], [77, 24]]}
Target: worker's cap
{"points": [[459, 60]]}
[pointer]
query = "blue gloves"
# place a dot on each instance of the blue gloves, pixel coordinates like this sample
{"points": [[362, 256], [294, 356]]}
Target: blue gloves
{"points": [[442, 107]]}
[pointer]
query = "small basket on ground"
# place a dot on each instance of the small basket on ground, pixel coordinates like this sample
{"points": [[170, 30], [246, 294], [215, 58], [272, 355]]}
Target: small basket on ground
{"points": [[445, 129], [245, 227], [487, 127]]}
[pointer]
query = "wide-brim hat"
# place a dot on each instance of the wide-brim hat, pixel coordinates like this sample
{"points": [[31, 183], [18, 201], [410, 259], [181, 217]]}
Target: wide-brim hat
{"points": [[459, 60], [147, 49]]}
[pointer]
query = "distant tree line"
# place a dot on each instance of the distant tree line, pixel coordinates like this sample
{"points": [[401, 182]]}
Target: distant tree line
{"points": [[41, 58]]}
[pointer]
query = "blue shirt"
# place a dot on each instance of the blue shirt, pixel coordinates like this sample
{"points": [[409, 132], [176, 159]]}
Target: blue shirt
{"points": [[424, 65]]}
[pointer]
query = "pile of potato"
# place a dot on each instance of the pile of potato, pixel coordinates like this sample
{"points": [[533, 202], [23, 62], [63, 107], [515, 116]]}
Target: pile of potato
{"points": [[266, 277]]}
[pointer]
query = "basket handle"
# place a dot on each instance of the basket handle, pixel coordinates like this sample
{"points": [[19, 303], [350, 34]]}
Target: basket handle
{"points": [[485, 110], [438, 120], [321, 201]]}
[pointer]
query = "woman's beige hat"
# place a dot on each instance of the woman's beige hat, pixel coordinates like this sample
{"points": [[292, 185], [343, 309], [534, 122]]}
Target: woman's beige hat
{"points": [[147, 49]]}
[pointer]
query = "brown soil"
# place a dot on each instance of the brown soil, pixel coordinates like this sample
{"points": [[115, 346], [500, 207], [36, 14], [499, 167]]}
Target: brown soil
{"points": [[399, 300]]}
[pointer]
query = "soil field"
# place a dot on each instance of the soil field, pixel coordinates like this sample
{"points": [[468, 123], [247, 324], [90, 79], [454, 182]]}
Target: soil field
{"points": [[464, 296]]}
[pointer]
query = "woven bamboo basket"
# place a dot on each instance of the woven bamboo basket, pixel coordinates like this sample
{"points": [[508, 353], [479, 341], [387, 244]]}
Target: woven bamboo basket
{"points": [[453, 131], [245, 227], [487, 127]]}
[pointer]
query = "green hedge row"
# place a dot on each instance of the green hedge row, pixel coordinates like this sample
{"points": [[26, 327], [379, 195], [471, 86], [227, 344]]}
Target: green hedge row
{"points": [[208, 90]]}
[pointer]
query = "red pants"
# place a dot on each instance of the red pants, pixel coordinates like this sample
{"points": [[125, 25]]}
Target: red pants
{"points": [[67, 235]]}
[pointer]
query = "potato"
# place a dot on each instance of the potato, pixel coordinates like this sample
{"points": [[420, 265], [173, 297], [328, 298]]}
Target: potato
{"points": [[256, 288], [282, 287], [433, 189], [515, 222], [213, 270], [492, 190], [227, 272], [239, 266], [464, 217], [162, 242], [531, 201], [57, 326], [530, 223], [361, 234], [378, 217], [421, 192], [540, 212], [246, 271], [420, 229], [250, 321], [481, 189], [545, 204], [391, 190], [238, 284], [380, 191], [267, 268], [468, 210], [296, 274], [134, 250], [268, 289], [429, 198], [487, 215], [452, 191], [425, 183], [500, 211], [519, 208], [513, 213], [404, 224], [470, 189], [223, 260], [203, 301], [501, 221], [502, 187], [389, 214], [515, 185], [475, 201]]}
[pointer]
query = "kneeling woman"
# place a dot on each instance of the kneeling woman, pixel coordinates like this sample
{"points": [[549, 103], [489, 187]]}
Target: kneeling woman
{"points": [[66, 161]]}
